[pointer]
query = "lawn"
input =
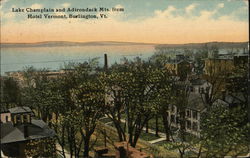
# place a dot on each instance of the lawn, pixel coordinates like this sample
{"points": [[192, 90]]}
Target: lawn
{"points": [[152, 124], [148, 136], [105, 120]]}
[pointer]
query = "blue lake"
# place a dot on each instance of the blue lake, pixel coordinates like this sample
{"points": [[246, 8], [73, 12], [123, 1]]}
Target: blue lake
{"points": [[54, 58]]}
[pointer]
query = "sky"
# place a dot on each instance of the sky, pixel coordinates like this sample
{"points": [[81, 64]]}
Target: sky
{"points": [[158, 21]]}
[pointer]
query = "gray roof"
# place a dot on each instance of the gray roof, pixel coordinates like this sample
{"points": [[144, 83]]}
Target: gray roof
{"points": [[36, 130], [20, 109], [235, 98]]}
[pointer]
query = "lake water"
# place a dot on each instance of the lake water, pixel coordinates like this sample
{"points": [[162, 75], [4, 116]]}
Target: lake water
{"points": [[53, 58]]}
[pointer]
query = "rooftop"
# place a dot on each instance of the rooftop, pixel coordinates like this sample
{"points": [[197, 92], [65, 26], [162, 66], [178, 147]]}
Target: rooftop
{"points": [[36, 130], [20, 109]]}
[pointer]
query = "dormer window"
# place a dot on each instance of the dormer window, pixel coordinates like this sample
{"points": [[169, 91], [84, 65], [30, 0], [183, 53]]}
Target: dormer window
{"points": [[18, 119], [25, 118]]}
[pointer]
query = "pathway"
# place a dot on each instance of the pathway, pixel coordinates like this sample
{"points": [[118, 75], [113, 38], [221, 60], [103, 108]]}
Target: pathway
{"points": [[151, 131], [59, 148]]}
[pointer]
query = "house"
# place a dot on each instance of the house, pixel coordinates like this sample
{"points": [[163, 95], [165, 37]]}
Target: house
{"points": [[180, 67], [195, 107], [220, 65], [19, 76], [225, 64], [20, 130]]}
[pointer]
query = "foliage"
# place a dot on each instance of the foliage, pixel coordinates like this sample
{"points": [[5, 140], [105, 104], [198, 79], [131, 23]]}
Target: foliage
{"points": [[131, 88], [10, 92], [42, 147], [225, 131]]}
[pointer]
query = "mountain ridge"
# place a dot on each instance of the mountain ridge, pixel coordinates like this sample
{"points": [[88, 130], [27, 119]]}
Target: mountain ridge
{"points": [[117, 43]]}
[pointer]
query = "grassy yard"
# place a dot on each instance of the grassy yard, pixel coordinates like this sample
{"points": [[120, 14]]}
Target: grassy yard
{"points": [[152, 124], [105, 120], [98, 140], [148, 136]]}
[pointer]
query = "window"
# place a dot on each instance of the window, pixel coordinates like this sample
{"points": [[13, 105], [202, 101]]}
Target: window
{"points": [[18, 119], [188, 113], [188, 124], [195, 126], [25, 118], [6, 118], [195, 115]]}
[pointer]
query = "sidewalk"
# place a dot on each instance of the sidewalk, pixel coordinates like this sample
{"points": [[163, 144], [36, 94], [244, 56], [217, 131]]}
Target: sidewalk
{"points": [[58, 147]]}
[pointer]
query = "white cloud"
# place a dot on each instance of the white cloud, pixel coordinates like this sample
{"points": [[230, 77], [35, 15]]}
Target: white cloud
{"points": [[220, 5], [119, 6], [163, 27], [66, 5], [190, 8], [36, 6], [118, 15], [166, 13], [207, 14]]}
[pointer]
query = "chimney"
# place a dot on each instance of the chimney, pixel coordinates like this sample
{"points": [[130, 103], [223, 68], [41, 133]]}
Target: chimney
{"points": [[105, 62], [25, 131]]}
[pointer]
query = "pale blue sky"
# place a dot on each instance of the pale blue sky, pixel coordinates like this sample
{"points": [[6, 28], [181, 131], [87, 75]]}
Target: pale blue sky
{"points": [[158, 21], [142, 8]]}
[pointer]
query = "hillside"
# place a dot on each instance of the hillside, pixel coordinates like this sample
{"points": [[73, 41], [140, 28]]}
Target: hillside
{"points": [[114, 43]]}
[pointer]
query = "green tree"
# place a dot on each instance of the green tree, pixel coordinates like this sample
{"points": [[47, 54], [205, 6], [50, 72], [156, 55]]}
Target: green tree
{"points": [[89, 99], [134, 91], [225, 131], [10, 93]]}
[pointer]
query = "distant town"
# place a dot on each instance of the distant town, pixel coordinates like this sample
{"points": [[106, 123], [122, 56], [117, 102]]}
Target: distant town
{"points": [[183, 101]]}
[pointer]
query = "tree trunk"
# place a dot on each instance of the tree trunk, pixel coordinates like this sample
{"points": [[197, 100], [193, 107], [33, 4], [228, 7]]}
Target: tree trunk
{"points": [[147, 127], [156, 126], [86, 147], [70, 142], [62, 140], [166, 126], [119, 131]]}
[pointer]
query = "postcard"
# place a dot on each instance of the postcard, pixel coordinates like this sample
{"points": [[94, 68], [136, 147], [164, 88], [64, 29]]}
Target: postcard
{"points": [[124, 79]]}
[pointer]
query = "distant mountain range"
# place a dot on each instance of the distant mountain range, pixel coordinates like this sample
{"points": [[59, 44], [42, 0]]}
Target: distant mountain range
{"points": [[114, 43], [226, 45], [65, 43]]}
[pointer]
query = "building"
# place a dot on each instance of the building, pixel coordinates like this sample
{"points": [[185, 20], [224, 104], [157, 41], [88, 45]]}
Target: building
{"points": [[195, 107], [241, 61], [19, 76], [225, 64], [220, 65], [181, 68], [20, 130]]}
